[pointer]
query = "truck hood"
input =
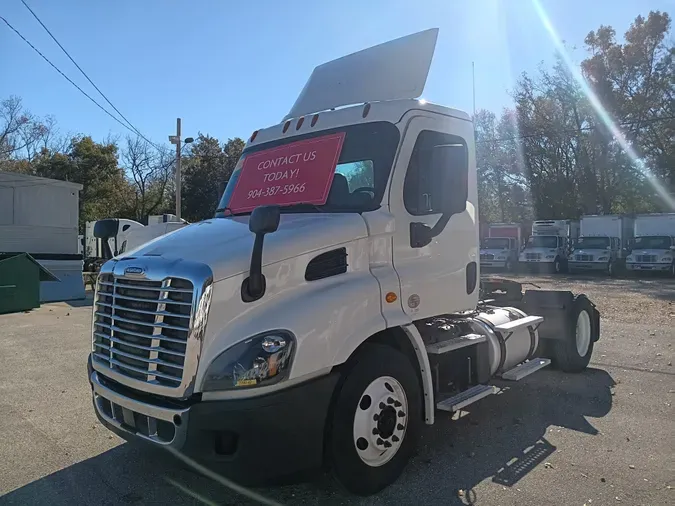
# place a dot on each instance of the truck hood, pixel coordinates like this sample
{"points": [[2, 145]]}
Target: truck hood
{"points": [[225, 244]]}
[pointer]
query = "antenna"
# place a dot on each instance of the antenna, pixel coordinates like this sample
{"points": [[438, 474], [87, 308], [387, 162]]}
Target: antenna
{"points": [[473, 83]]}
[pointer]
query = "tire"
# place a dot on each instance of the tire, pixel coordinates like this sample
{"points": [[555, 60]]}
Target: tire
{"points": [[356, 416], [610, 269], [672, 270], [508, 266], [557, 266], [573, 353]]}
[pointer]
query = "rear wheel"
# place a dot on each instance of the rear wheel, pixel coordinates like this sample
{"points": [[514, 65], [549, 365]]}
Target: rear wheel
{"points": [[573, 353], [376, 417]]}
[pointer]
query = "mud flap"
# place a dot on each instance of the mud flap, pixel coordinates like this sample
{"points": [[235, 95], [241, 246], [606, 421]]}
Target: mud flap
{"points": [[556, 306]]}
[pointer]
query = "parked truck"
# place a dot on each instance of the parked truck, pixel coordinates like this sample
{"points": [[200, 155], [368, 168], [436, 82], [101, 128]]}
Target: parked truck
{"points": [[334, 303], [501, 247], [603, 244], [550, 245], [654, 246], [109, 237]]}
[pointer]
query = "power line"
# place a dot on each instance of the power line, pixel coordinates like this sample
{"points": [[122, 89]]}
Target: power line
{"points": [[64, 75], [85, 75]]}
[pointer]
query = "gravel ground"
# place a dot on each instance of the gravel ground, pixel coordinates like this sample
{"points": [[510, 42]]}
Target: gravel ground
{"points": [[605, 436]]}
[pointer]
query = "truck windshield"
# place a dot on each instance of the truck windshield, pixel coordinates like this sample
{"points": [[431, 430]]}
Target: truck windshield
{"points": [[542, 241], [495, 243], [593, 242], [653, 242], [360, 178]]}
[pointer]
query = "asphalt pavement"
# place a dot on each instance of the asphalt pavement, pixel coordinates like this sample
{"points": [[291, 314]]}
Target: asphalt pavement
{"points": [[605, 436]]}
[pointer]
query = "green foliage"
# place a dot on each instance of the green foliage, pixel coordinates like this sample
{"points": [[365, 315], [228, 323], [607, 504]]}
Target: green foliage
{"points": [[206, 171]]}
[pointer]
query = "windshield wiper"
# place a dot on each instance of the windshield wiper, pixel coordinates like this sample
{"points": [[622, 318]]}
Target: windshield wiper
{"points": [[313, 207], [223, 209]]}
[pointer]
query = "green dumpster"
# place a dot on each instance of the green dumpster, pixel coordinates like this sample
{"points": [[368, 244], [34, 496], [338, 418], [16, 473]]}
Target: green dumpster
{"points": [[20, 276]]}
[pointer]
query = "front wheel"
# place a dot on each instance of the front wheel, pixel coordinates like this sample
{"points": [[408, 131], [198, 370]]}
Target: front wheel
{"points": [[672, 270], [573, 352], [557, 266], [376, 417], [610, 268]]}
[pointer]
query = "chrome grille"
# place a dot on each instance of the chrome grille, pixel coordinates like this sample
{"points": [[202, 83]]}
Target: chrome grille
{"points": [[487, 256], [533, 256], [584, 258], [141, 327], [645, 258]]}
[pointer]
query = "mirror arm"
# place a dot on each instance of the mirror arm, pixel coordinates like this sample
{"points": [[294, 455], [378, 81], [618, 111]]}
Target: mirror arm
{"points": [[421, 234]]}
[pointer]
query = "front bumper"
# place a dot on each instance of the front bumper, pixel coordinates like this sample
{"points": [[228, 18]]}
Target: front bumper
{"points": [[588, 266], [252, 441], [493, 264], [648, 267]]}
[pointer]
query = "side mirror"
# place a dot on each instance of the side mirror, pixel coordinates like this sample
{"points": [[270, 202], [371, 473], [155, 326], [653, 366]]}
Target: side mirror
{"points": [[672, 248], [264, 220], [450, 172]]}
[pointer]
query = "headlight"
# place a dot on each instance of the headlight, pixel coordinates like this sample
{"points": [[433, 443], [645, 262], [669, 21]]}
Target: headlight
{"points": [[550, 256], [667, 259], [260, 360], [603, 258], [502, 257], [629, 258]]}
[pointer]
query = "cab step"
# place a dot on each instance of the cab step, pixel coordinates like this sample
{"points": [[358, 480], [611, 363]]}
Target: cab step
{"points": [[525, 369], [463, 399], [511, 326], [455, 343]]}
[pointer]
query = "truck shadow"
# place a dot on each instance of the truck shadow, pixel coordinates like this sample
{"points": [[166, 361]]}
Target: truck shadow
{"points": [[503, 438]]}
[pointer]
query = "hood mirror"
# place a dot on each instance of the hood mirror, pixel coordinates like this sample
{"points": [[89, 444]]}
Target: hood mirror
{"points": [[264, 220]]}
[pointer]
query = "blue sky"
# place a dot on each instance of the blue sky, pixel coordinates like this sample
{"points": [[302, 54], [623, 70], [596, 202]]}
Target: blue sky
{"points": [[227, 68]]}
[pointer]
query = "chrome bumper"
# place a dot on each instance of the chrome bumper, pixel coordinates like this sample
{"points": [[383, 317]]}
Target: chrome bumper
{"points": [[649, 267], [159, 425]]}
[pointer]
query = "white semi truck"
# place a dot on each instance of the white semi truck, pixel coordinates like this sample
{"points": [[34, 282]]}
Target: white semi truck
{"points": [[603, 244], [654, 246], [550, 244], [334, 303], [501, 248], [109, 237]]}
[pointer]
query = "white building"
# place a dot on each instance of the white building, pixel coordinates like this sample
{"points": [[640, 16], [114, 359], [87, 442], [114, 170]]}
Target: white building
{"points": [[39, 216]]}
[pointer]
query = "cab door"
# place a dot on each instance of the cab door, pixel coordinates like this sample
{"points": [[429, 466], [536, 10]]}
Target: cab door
{"points": [[438, 275]]}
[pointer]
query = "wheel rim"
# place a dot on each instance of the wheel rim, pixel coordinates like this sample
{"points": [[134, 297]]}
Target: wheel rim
{"points": [[380, 421], [583, 333], [557, 266]]}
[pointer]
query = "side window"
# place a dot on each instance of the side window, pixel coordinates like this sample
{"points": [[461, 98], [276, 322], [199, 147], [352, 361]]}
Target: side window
{"points": [[423, 190]]}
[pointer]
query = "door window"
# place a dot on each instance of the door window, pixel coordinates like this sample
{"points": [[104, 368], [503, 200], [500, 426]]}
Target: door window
{"points": [[423, 189]]}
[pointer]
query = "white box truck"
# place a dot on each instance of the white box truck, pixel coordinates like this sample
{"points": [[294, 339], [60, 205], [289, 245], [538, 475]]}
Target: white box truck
{"points": [[332, 304], [549, 245], [654, 246], [603, 244], [501, 248], [109, 237]]}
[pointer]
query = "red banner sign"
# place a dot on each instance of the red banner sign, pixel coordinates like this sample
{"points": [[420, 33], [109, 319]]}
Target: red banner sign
{"points": [[296, 173]]}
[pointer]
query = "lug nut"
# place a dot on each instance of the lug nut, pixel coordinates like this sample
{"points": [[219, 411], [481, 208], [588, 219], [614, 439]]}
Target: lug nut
{"points": [[376, 417], [379, 441], [387, 444], [401, 414], [382, 405], [397, 404], [390, 401], [400, 426], [395, 439], [375, 432]]}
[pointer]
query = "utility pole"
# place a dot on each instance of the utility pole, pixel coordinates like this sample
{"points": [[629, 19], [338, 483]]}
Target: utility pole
{"points": [[175, 139]]}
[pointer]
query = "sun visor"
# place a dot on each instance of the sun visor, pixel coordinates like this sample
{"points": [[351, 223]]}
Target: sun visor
{"points": [[397, 69]]}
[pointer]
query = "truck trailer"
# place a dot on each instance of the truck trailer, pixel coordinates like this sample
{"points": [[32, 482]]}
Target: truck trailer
{"points": [[550, 245], [333, 304], [654, 246], [603, 244]]}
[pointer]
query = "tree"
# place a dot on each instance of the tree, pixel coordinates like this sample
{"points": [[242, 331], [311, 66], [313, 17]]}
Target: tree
{"points": [[208, 167], [150, 172], [105, 190]]}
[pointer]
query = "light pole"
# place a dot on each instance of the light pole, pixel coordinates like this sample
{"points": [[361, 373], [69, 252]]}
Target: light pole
{"points": [[175, 139]]}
